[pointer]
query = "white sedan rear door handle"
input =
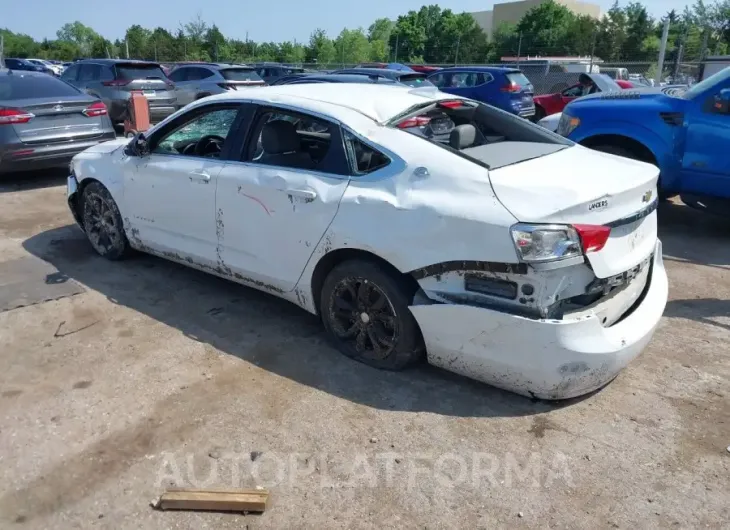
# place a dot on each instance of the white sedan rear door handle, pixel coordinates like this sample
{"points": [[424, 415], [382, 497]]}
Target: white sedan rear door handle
{"points": [[306, 195], [199, 177]]}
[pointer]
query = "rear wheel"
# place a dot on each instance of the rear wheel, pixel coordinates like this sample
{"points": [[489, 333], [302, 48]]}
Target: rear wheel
{"points": [[628, 153], [103, 222], [365, 312]]}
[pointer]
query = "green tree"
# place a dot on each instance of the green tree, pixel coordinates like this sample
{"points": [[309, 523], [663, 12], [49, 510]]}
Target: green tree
{"points": [[81, 35], [408, 38], [380, 30], [320, 49], [545, 29], [137, 39], [352, 46]]}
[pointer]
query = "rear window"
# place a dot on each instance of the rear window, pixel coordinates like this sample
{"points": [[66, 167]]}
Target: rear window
{"points": [[293, 70], [415, 80], [518, 78], [240, 74], [136, 71], [16, 86]]}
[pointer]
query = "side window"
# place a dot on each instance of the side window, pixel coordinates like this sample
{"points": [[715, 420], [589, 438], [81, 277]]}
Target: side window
{"points": [[296, 141], [89, 72], [573, 92], [202, 136], [106, 74], [438, 80], [70, 73], [194, 74], [205, 73], [365, 159], [178, 75]]}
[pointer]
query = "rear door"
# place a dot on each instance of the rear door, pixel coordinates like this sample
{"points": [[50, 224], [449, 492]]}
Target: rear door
{"points": [[185, 89], [70, 74], [56, 111], [278, 205]]}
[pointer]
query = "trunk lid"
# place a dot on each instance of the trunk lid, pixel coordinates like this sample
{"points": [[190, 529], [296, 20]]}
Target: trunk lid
{"points": [[579, 186], [57, 120], [149, 79]]}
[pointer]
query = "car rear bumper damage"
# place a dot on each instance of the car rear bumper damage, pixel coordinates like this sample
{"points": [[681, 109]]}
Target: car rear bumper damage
{"points": [[32, 157], [543, 358]]}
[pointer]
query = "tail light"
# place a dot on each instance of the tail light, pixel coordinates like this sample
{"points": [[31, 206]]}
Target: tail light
{"points": [[512, 88], [14, 116], [593, 237], [117, 82], [418, 121], [94, 110], [451, 104]]}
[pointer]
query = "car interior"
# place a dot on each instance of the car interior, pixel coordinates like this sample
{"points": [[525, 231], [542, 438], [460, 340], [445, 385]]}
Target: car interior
{"points": [[484, 134]]}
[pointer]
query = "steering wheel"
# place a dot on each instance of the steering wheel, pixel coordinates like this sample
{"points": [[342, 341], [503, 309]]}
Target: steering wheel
{"points": [[202, 145]]}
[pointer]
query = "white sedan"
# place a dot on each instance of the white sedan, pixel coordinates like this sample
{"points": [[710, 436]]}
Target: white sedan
{"points": [[416, 224]]}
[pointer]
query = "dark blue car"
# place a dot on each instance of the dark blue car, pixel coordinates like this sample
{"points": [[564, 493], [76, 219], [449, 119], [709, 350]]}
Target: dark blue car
{"points": [[505, 88], [404, 77]]}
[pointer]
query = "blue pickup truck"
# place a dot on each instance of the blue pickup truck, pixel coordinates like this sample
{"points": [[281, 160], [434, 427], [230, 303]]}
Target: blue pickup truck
{"points": [[685, 132]]}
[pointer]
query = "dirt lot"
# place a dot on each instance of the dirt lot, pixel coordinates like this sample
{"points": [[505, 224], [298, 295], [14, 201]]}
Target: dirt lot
{"points": [[157, 375]]}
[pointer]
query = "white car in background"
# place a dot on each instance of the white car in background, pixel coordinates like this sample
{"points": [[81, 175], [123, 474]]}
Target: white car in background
{"points": [[502, 251], [551, 122]]}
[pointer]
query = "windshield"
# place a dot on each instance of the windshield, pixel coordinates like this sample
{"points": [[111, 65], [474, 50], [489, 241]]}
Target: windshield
{"points": [[240, 74], [140, 71], [415, 80], [481, 133], [699, 88]]}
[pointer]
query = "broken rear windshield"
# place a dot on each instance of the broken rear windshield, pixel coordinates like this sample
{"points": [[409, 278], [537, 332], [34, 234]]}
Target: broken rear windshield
{"points": [[468, 128]]}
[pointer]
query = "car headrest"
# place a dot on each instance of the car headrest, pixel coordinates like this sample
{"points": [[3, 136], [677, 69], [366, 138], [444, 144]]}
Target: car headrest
{"points": [[278, 137], [462, 136]]}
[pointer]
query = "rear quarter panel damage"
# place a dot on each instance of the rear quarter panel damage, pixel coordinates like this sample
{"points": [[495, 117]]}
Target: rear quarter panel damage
{"points": [[413, 219]]}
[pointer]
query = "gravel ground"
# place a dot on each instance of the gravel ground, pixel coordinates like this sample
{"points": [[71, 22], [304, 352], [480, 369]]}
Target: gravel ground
{"points": [[158, 375]]}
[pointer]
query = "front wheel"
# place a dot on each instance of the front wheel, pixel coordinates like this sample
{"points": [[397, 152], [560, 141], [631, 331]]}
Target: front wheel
{"points": [[365, 312], [103, 222]]}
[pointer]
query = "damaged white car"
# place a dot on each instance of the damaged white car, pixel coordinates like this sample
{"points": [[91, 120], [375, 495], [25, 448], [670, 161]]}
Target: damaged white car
{"points": [[418, 225]]}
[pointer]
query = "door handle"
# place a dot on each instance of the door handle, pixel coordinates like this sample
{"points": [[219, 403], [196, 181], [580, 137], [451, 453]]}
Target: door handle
{"points": [[199, 177], [305, 195]]}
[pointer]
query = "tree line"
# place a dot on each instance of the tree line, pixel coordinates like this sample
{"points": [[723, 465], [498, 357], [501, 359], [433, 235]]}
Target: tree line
{"points": [[429, 35]]}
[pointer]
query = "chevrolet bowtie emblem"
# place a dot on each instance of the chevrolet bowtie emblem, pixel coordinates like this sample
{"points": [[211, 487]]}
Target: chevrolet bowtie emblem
{"points": [[646, 197]]}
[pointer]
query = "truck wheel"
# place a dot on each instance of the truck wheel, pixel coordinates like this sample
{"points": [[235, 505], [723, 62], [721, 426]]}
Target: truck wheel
{"points": [[365, 313], [628, 153]]}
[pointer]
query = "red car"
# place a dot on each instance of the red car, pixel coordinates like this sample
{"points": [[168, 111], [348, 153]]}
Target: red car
{"points": [[548, 104]]}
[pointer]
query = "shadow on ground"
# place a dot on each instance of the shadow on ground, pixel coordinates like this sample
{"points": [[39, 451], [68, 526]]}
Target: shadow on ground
{"points": [[268, 332], [703, 310], [693, 236], [32, 180]]}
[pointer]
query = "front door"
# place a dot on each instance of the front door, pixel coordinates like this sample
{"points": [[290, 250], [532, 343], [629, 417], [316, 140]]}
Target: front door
{"points": [[170, 193], [279, 199], [706, 165]]}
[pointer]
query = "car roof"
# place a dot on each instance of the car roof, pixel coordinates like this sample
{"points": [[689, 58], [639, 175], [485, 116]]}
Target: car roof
{"points": [[341, 78], [22, 73], [116, 61], [378, 102], [490, 69]]}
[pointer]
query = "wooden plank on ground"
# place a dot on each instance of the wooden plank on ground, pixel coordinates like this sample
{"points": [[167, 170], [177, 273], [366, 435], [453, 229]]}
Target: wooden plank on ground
{"points": [[219, 500]]}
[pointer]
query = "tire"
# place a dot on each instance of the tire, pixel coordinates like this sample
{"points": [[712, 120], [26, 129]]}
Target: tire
{"points": [[628, 153], [374, 326], [103, 223]]}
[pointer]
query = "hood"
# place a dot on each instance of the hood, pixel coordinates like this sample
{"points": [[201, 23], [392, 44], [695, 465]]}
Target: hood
{"points": [[635, 94], [574, 185], [107, 147]]}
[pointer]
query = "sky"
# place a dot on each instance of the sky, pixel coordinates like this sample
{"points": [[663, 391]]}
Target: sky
{"points": [[276, 21]]}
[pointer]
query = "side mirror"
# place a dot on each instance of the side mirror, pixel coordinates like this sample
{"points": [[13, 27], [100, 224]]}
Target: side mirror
{"points": [[138, 146], [721, 105]]}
